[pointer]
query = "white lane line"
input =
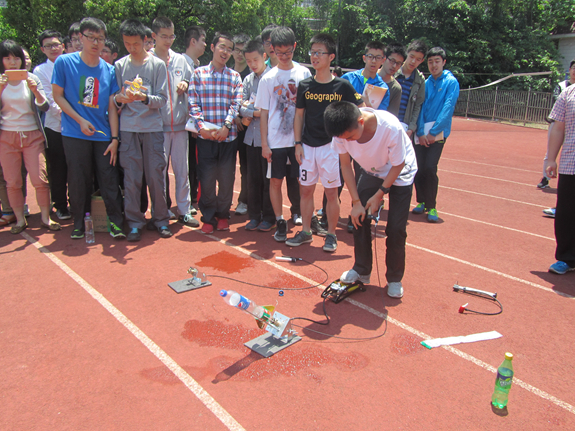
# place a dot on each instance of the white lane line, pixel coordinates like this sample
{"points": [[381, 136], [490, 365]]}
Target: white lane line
{"points": [[172, 365], [497, 225], [463, 355], [487, 178], [495, 166], [491, 196]]}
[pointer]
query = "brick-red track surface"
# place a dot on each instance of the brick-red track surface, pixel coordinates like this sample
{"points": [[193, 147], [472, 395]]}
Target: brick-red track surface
{"points": [[92, 337]]}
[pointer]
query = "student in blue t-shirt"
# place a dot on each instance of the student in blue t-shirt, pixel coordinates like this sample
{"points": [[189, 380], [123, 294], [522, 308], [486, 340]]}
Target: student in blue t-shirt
{"points": [[83, 86]]}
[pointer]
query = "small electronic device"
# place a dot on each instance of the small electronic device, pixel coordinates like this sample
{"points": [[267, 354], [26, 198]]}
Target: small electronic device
{"points": [[16, 75]]}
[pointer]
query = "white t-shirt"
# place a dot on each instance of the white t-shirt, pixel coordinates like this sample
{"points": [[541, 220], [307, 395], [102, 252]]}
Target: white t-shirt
{"points": [[277, 93], [17, 114], [390, 146]]}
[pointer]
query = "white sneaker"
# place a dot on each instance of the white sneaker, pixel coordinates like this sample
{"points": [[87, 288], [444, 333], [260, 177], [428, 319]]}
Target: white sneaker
{"points": [[172, 215], [351, 276], [241, 209], [395, 289], [297, 220], [193, 211]]}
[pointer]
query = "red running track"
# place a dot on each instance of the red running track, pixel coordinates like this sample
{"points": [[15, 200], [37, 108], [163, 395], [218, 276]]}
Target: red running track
{"points": [[93, 338]]}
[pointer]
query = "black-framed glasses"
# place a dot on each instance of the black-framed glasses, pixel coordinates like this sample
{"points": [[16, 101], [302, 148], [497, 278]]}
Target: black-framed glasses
{"points": [[52, 46], [394, 62], [317, 53], [372, 57], [284, 54], [93, 39]]}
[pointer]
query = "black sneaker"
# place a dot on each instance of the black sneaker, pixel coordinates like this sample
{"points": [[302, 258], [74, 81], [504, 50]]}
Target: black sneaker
{"points": [[165, 231], [134, 235], [544, 184], [281, 231], [316, 228], [116, 232], [77, 234], [330, 243], [188, 220], [350, 226], [300, 238], [64, 214]]}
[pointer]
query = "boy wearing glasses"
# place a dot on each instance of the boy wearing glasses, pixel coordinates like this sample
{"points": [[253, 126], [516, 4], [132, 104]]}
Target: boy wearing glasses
{"points": [[175, 116], [215, 96], [75, 38], [109, 52], [394, 58], [315, 156], [52, 47], [373, 59], [277, 94], [142, 146], [83, 85]]}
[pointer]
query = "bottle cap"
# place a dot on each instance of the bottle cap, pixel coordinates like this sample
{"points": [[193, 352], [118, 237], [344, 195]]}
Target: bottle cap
{"points": [[87, 214], [509, 356], [223, 292]]}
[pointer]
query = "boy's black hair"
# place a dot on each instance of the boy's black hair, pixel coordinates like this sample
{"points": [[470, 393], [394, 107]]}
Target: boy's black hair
{"points": [[49, 34], [254, 45], [572, 63], [194, 32], [395, 48], [337, 70], [74, 29], [67, 42], [417, 46], [282, 36], [374, 44], [326, 40], [222, 35], [148, 32], [133, 27], [160, 23], [240, 39], [10, 47], [93, 24], [111, 45], [340, 117], [267, 31], [436, 51]]}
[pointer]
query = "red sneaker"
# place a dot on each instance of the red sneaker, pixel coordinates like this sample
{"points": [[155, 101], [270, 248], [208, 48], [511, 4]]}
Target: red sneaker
{"points": [[223, 224], [207, 228]]}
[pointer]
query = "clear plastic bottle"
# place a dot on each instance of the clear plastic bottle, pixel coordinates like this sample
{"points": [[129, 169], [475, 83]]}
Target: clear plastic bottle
{"points": [[503, 382], [239, 301], [89, 229]]}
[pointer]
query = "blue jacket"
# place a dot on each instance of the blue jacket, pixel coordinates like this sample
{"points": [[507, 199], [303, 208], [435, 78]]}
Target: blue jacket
{"points": [[358, 81], [440, 98]]}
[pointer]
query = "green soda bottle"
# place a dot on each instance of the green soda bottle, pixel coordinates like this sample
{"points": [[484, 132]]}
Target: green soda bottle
{"points": [[503, 382]]}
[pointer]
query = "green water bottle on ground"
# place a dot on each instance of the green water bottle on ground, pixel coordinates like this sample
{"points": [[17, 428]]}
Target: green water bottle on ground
{"points": [[503, 382]]}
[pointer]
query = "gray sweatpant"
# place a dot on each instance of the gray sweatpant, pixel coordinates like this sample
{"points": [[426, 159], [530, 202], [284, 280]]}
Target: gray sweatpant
{"points": [[144, 153]]}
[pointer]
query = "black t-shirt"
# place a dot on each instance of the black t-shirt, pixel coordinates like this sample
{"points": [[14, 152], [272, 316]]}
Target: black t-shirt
{"points": [[315, 97]]}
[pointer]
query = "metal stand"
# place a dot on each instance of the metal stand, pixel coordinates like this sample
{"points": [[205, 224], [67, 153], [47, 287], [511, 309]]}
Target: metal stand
{"points": [[280, 335], [190, 283]]}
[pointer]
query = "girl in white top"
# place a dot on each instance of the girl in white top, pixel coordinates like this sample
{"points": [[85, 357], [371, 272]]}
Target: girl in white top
{"points": [[22, 136]]}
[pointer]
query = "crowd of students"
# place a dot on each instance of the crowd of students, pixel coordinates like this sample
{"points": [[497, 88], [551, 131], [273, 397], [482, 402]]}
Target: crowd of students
{"points": [[117, 124]]}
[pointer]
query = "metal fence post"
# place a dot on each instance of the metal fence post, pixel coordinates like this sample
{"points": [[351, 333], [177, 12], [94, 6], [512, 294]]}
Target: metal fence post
{"points": [[494, 104], [527, 106], [468, 96]]}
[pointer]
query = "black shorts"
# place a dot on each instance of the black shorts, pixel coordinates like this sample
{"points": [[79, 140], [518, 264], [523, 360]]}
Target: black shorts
{"points": [[280, 168]]}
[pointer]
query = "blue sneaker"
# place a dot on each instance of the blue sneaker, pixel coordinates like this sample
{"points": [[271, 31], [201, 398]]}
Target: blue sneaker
{"points": [[560, 267], [432, 216], [252, 224], [419, 209]]}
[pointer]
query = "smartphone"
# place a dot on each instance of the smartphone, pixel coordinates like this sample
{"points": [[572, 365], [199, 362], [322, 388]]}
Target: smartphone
{"points": [[16, 75]]}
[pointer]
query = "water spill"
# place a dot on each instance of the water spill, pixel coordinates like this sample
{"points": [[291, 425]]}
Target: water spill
{"points": [[226, 262], [301, 359], [406, 344]]}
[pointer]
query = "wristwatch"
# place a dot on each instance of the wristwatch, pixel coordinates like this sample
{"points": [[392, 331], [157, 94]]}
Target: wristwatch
{"points": [[115, 137], [385, 190], [228, 125], [297, 143]]}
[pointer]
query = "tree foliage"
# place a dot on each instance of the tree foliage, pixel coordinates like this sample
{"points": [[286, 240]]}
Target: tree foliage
{"points": [[484, 39]]}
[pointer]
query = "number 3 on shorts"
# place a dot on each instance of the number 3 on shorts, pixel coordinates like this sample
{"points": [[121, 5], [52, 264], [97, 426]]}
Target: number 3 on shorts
{"points": [[303, 176]]}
